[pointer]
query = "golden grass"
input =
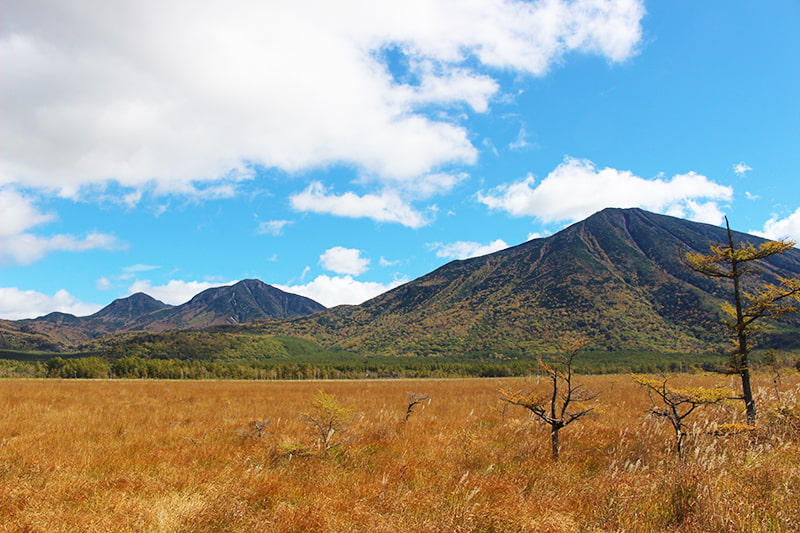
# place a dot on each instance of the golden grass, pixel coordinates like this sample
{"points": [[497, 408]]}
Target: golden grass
{"points": [[181, 456]]}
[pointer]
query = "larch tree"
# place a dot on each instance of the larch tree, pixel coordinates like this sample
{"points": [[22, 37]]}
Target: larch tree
{"points": [[735, 262], [327, 418], [675, 404], [564, 402]]}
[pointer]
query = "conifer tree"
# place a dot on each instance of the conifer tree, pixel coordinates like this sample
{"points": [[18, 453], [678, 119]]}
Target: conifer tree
{"points": [[564, 403], [736, 262], [676, 404]]}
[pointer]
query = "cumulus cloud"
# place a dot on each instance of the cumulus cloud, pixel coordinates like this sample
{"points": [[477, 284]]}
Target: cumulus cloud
{"points": [[18, 244], [16, 304], [174, 292], [781, 228], [217, 88], [337, 290], [385, 207], [467, 249], [344, 261], [576, 189], [18, 214]]}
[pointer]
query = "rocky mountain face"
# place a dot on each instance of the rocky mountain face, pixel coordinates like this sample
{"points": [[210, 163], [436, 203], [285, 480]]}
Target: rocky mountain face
{"points": [[243, 302], [616, 278]]}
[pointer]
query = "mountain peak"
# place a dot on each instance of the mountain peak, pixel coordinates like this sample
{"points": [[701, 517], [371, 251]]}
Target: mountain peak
{"points": [[135, 305], [615, 277], [245, 301]]}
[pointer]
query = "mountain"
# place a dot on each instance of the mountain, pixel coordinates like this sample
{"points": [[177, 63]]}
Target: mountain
{"points": [[124, 311], [244, 301], [615, 278]]}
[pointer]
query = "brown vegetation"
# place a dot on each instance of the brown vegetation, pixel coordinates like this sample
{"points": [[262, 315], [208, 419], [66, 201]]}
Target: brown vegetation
{"points": [[167, 456]]}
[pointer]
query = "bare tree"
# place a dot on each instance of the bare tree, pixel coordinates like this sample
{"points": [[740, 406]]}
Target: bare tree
{"points": [[261, 427], [736, 261], [414, 398], [677, 404], [564, 403]]}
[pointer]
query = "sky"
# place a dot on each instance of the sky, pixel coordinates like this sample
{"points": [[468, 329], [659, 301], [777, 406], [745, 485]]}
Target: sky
{"points": [[339, 149]]}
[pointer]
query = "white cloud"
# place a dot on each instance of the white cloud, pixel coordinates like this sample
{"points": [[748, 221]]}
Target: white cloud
{"points": [[741, 168], [521, 142], [26, 248], [392, 204], [175, 292], [576, 189], [16, 304], [344, 261], [218, 87], [272, 227], [133, 269], [385, 262], [18, 215], [339, 290], [708, 212], [428, 185], [386, 207], [466, 249], [781, 228]]}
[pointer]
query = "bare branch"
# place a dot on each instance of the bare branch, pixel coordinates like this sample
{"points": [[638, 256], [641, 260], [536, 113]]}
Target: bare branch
{"points": [[556, 408], [414, 398]]}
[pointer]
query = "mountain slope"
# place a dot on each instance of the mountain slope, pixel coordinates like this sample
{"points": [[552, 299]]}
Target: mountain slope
{"points": [[615, 277], [244, 301]]}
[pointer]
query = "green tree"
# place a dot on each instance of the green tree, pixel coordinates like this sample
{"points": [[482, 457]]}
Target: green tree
{"points": [[564, 403], [85, 367], [55, 367], [736, 262], [129, 367]]}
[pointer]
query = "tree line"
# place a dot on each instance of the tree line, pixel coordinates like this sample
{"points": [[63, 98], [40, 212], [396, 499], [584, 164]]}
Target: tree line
{"points": [[134, 367]]}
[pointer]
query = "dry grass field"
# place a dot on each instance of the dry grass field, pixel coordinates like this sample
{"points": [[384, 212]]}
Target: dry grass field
{"points": [[186, 456]]}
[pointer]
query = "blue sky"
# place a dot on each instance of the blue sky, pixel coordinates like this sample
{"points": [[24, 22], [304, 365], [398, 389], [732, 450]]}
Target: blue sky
{"points": [[338, 149]]}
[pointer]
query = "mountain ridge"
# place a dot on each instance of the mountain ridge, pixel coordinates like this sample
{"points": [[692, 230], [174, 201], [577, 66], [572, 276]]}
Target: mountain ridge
{"points": [[615, 277], [244, 301]]}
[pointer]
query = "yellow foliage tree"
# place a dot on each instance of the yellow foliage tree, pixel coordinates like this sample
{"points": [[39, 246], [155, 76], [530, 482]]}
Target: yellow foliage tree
{"points": [[564, 403], [326, 418], [736, 261], [677, 404]]}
